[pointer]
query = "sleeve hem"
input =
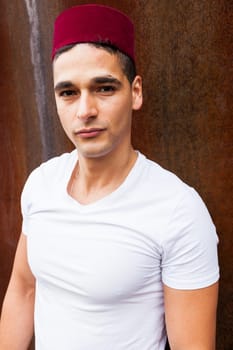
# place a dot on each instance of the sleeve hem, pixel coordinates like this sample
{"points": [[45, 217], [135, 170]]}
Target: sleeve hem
{"points": [[25, 227], [190, 285]]}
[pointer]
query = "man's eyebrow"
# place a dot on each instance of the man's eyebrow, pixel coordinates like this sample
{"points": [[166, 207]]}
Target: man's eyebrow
{"points": [[106, 80], [96, 80], [63, 85]]}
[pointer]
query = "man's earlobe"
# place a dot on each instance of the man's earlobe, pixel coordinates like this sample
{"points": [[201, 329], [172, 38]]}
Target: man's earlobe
{"points": [[137, 93]]}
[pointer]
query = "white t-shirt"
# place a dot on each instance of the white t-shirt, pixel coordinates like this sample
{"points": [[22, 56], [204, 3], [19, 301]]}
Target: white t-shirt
{"points": [[99, 267]]}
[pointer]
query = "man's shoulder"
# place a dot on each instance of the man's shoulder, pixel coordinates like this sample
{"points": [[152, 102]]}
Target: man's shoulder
{"points": [[165, 187], [52, 169], [48, 176], [161, 178], [56, 163], [59, 160]]}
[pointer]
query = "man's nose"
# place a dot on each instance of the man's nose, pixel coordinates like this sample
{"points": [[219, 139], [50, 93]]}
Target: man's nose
{"points": [[86, 107]]}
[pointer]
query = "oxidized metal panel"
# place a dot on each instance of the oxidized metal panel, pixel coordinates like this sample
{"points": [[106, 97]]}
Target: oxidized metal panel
{"points": [[184, 53]]}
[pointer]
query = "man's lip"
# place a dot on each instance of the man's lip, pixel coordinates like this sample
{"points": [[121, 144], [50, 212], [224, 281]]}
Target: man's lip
{"points": [[89, 132]]}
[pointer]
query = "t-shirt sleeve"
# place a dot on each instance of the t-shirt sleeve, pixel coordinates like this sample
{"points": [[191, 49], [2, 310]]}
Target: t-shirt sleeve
{"points": [[189, 249]]}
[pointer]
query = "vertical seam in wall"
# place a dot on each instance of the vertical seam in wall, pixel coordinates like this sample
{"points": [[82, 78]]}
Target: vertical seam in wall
{"points": [[37, 71]]}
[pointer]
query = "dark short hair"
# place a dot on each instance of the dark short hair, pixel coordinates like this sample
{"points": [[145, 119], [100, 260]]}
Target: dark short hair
{"points": [[127, 64]]}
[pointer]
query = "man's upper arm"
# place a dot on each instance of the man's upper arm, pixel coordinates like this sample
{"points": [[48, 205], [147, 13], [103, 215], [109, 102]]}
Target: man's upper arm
{"points": [[191, 317], [21, 274], [189, 274]]}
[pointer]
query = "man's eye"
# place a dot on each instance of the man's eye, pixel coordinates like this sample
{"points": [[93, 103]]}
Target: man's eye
{"points": [[67, 93], [107, 89]]}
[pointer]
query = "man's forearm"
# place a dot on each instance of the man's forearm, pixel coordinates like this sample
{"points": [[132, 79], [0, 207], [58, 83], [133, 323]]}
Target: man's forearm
{"points": [[16, 326]]}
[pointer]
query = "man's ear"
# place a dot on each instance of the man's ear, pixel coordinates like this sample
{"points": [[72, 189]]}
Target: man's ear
{"points": [[137, 97]]}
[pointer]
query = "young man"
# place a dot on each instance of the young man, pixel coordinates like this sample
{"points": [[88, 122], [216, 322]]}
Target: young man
{"points": [[116, 252]]}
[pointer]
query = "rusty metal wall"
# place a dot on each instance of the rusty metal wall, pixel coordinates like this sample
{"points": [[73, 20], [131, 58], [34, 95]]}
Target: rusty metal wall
{"points": [[184, 52]]}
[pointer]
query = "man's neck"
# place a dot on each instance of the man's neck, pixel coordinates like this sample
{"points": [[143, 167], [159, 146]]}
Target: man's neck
{"points": [[95, 178]]}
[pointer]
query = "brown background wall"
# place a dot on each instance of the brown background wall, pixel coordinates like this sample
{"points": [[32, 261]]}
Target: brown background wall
{"points": [[184, 53]]}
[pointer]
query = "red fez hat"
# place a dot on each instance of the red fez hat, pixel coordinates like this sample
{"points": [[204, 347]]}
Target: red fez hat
{"points": [[94, 23]]}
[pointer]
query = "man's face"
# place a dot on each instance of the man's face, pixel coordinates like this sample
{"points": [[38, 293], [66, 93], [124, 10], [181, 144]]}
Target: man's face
{"points": [[95, 100]]}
